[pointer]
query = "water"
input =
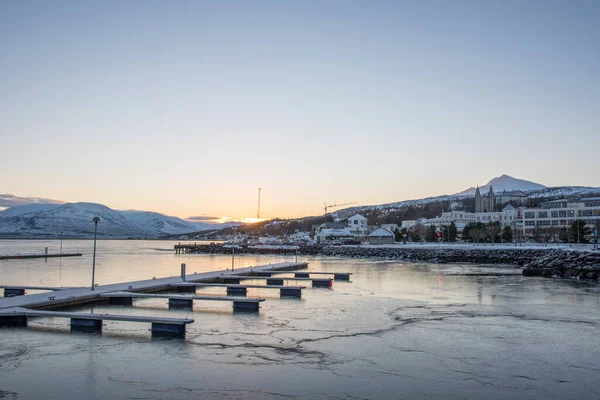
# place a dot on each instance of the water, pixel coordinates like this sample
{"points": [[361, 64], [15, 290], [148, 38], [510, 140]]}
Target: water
{"points": [[398, 330]]}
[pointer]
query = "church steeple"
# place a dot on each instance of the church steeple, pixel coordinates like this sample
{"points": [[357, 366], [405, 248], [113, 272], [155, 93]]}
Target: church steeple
{"points": [[491, 199], [478, 200]]}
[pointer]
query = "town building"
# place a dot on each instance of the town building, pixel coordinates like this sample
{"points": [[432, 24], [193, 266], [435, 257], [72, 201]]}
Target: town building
{"points": [[559, 214], [334, 235], [514, 196], [357, 224], [462, 218], [484, 204], [390, 227], [382, 236]]}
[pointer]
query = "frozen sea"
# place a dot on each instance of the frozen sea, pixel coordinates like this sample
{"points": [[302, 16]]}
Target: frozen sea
{"points": [[396, 331]]}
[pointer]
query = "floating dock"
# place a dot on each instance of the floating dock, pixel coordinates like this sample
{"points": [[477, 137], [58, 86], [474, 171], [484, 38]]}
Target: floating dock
{"points": [[45, 255], [316, 282], [15, 310], [16, 307], [241, 290], [338, 276]]}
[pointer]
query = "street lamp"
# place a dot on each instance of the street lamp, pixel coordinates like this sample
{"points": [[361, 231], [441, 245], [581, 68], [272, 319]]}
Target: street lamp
{"points": [[95, 220], [233, 248], [61, 238]]}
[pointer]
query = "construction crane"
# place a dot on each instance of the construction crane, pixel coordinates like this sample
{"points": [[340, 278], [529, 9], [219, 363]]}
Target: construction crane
{"points": [[327, 207], [258, 211]]}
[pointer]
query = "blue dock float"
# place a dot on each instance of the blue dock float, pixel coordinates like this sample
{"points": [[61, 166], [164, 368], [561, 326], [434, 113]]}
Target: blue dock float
{"points": [[316, 282], [242, 290], [178, 301], [338, 276], [93, 322], [13, 290]]}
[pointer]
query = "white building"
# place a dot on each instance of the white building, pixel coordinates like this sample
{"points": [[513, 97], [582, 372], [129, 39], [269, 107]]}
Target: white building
{"points": [[559, 214], [334, 235], [357, 224], [390, 227], [382, 236], [462, 218]]}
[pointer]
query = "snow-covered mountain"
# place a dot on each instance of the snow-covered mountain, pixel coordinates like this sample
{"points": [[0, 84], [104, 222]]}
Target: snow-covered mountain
{"points": [[501, 183], [74, 220], [163, 224], [70, 219]]}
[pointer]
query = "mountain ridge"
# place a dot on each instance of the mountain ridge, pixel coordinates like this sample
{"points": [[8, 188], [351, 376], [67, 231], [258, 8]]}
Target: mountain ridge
{"points": [[74, 220], [501, 183]]}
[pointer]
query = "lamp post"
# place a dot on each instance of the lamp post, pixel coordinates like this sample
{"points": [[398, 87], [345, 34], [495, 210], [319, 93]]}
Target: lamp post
{"points": [[95, 220], [61, 238], [233, 249]]}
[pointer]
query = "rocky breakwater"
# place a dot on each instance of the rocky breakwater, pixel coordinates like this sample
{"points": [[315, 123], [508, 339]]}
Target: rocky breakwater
{"points": [[565, 264], [545, 261]]}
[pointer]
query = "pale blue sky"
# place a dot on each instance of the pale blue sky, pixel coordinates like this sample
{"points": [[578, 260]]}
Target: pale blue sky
{"points": [[187, 107]]}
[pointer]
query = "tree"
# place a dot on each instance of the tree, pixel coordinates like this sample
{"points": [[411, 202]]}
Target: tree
{"points": [[493, 229], [476, 234], [474, 231], [444, 232], [507, 234], [431, 235], [580, 231], [466, 231], [404, 234], [452, 232], [418, 231], [397, 235], [564, 234]]}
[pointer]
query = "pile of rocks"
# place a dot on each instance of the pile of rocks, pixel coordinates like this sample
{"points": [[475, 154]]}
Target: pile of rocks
{"points": [[547, 262], [566, 264]]}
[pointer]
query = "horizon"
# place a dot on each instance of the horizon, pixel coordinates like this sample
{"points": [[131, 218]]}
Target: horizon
{"points": [[226, 219], [186, 109]]}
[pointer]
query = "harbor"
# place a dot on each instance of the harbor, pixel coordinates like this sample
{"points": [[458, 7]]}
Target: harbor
{"points": [[16, 306], [396, 327]]}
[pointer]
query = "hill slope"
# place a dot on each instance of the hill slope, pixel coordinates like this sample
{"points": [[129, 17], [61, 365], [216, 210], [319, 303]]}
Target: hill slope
{"points": [[74, 220], [501, 183]]}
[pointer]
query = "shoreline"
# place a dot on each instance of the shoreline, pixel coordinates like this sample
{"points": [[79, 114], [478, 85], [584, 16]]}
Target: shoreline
{"points": [[557, 262]]}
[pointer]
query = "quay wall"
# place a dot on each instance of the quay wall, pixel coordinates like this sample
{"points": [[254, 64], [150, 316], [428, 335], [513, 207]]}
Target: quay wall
{"points": [[546, 261]]}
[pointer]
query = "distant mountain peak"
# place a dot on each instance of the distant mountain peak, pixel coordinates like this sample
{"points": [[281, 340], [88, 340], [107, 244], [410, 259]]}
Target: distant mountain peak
{"points": [[502, 183]]}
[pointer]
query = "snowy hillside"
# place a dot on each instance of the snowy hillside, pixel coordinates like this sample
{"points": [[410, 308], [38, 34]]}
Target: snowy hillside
{"points": [[70, 219], [564, 191], [74, 220], [27, 209], [162, 224], [501, 183]]}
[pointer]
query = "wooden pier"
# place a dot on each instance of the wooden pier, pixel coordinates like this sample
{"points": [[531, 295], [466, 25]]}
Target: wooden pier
{"points": [[316, 282], [182, 301], [88, 322], [338, 276], [242, 290], [45, 255], [16, 307], [15, 310], [11, 290]]}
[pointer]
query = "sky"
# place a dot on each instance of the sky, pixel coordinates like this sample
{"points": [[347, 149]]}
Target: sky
{"points": [[188, 107]]}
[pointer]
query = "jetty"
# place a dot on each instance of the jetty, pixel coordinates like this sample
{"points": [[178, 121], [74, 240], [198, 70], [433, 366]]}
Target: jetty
{"points": [[338, 276], [16, 309], [242, 290], [45, 255], [11, 290], [316, 282]]}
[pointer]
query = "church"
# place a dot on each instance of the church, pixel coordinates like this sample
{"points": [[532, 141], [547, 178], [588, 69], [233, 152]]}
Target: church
{"points": [[485, 204]]}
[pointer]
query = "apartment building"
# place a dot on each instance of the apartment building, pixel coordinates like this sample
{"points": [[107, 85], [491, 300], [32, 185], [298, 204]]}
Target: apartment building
{"points": [[559, 214]]}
